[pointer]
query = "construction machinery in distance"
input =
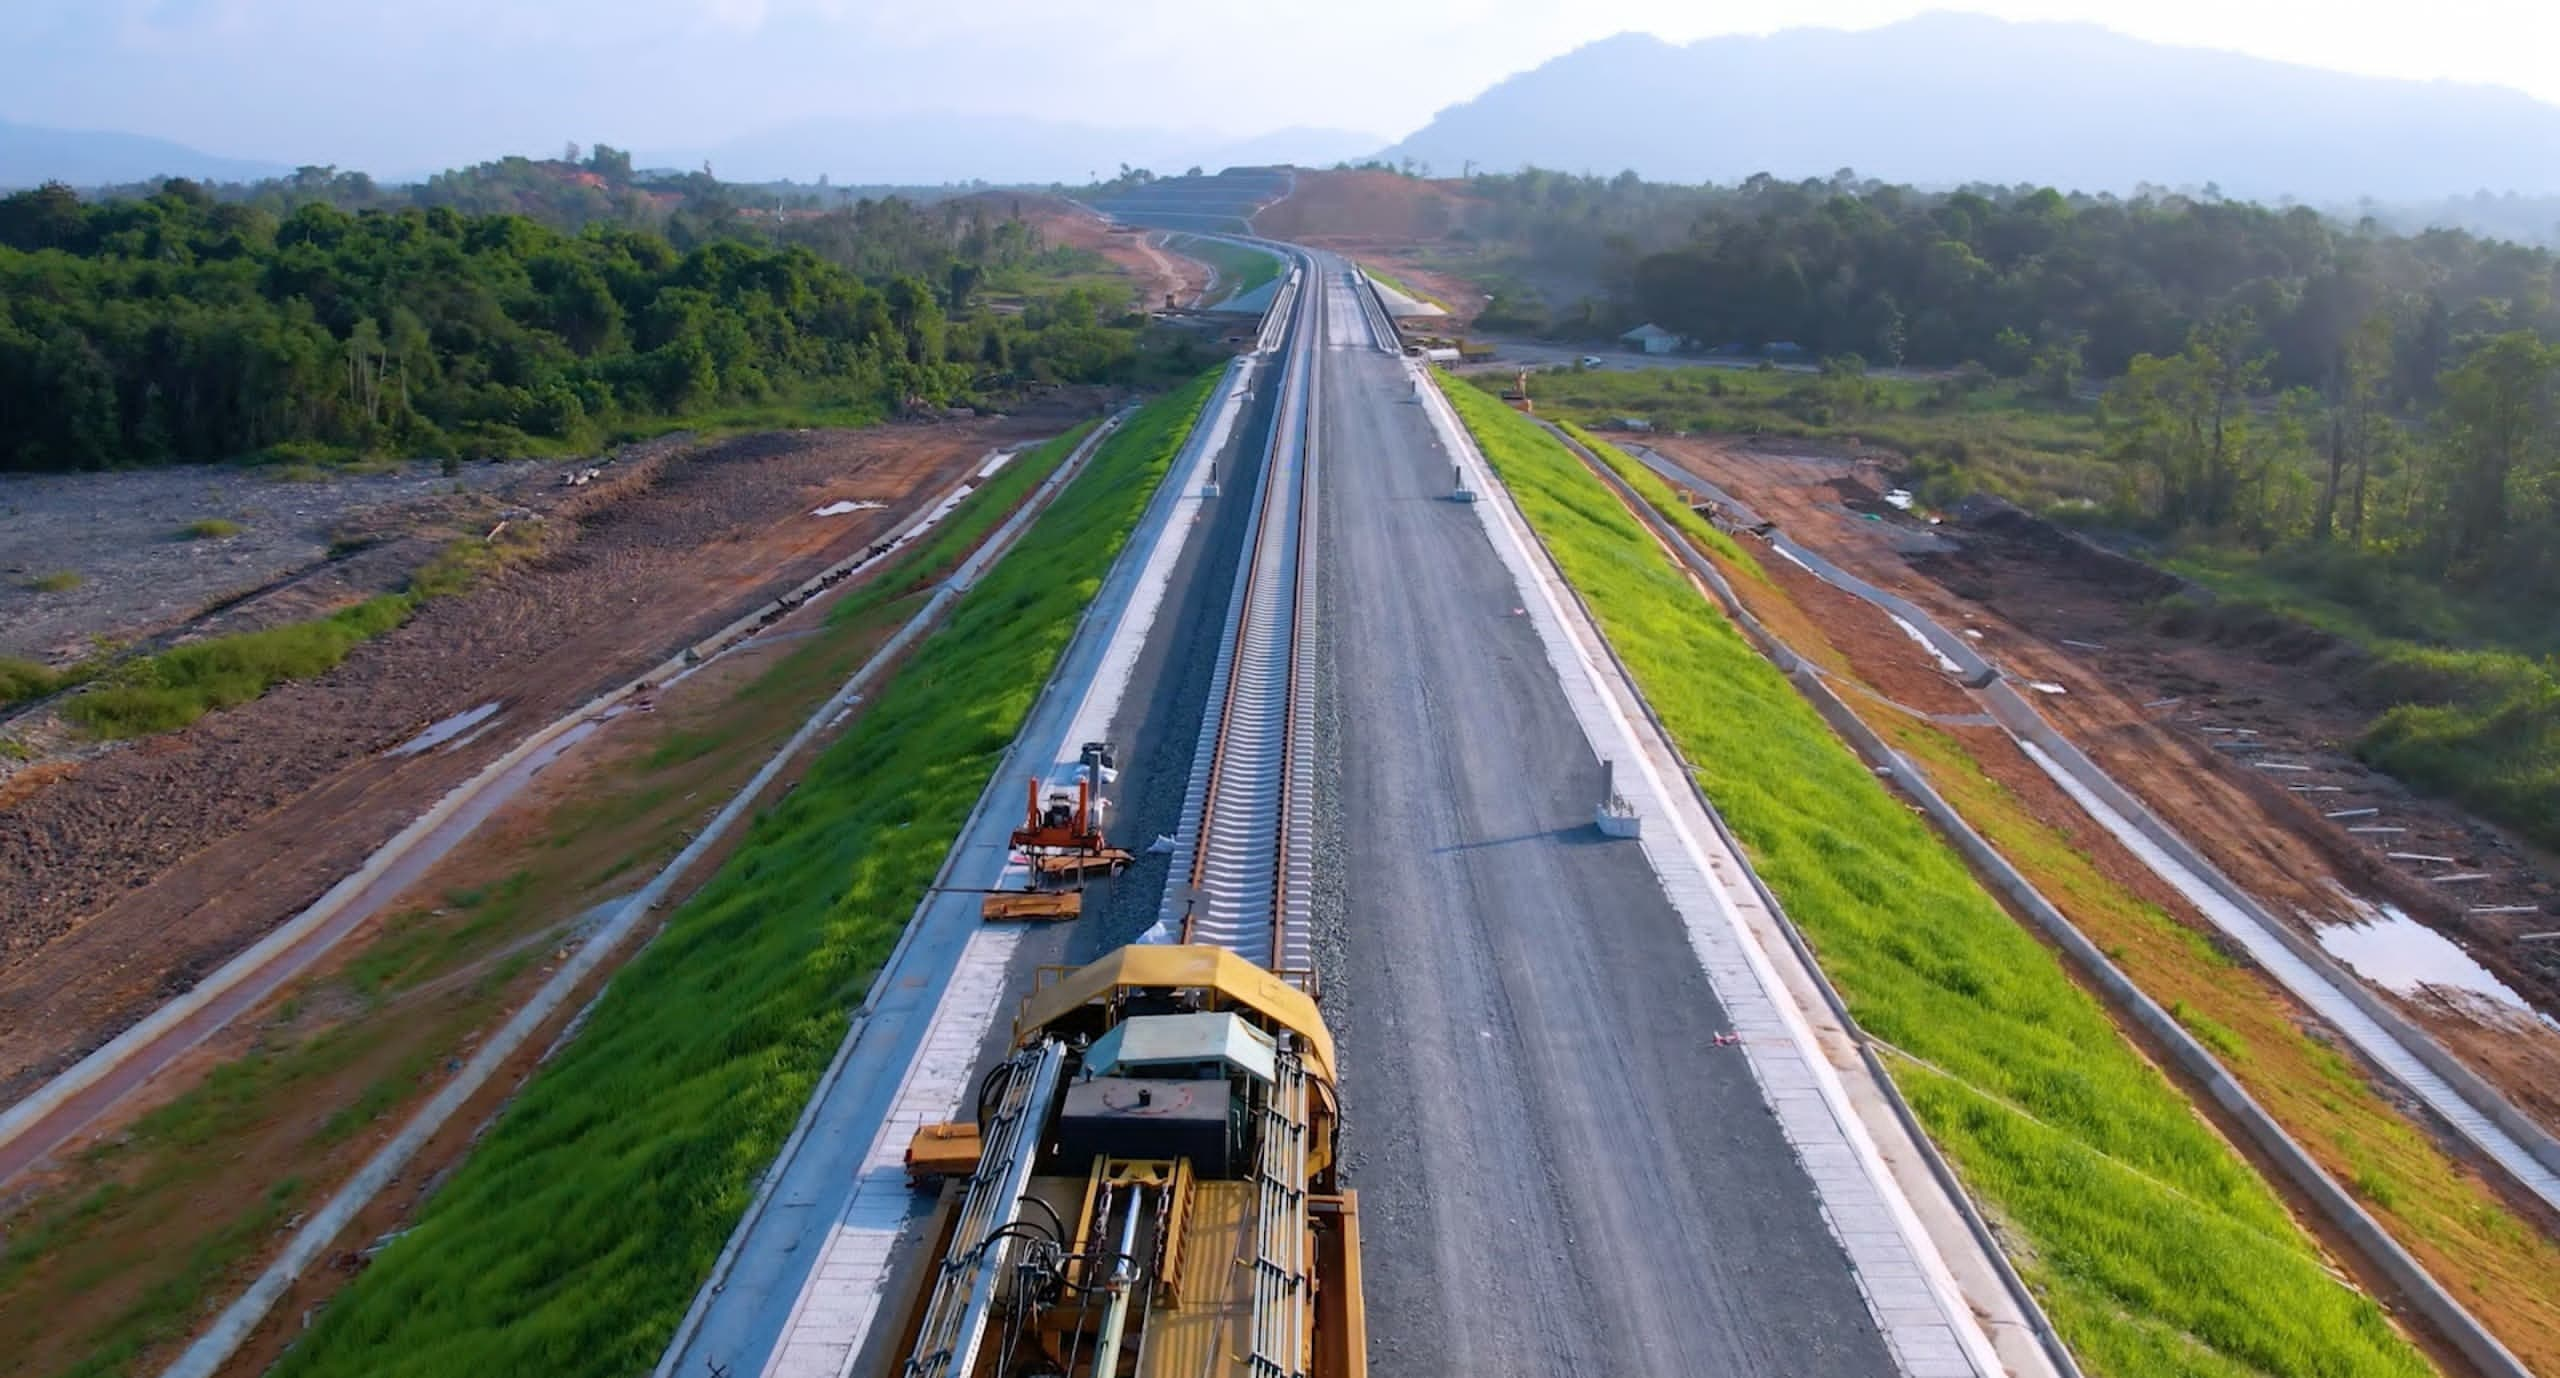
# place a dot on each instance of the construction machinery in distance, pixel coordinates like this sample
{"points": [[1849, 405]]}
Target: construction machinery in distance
{"points": [[1147, 1188], [1060, 844]]}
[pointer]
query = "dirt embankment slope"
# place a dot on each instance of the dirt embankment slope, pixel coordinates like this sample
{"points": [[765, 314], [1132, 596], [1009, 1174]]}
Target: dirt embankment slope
{"points": [[2140, 699], [1328, 207], [130, 877], [1384, 221], [1158, 274]]}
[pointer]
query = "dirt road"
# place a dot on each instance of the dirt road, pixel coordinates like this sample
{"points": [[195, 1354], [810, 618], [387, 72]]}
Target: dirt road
{"points": [[146, 867]]}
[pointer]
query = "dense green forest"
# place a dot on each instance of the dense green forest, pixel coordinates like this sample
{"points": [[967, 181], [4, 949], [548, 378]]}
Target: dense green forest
{"points": [[180, 327], [1896, 275], [2269, 375]]}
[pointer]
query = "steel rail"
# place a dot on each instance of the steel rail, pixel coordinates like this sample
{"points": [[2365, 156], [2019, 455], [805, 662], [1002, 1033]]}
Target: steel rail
{"points": [[1252, 784]]}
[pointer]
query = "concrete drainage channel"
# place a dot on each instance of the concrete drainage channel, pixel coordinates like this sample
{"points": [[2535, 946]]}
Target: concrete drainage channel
{"points": [[2440, 1308], [234, 1325]]}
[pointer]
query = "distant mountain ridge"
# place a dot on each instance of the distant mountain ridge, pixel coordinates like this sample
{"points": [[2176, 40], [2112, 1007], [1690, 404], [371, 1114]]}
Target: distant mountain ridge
{"points": [[1945, 99], [31, 155]]}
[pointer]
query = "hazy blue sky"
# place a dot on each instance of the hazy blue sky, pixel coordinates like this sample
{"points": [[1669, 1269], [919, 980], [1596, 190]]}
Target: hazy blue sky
{"points": [[401, 87]]}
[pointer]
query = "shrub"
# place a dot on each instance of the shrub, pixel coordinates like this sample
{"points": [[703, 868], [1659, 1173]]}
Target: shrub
{"points": [[2490, 738], [174, 688], [21, 680], [208, 529], [60, 581]]}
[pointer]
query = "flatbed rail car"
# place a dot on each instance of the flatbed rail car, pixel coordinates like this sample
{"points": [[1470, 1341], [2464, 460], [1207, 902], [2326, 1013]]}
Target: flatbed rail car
{"points": [[1152, 1191]]}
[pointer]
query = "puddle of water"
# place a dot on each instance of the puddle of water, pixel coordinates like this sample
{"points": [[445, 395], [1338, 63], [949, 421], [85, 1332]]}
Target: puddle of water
{"points": [[447, 730], [471, 736], [841, 507], [996, 462], [2404, 956], [1927, 645], [2046, 687]]}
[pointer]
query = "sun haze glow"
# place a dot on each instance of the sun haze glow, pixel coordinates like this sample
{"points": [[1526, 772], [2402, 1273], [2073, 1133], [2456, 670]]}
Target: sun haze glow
{"points": [[400, 88]]}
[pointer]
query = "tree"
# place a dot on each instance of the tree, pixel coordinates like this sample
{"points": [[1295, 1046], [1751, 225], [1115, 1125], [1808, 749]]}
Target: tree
{"points": [[2185, 419], [2496, 421], [2356, 418], [2054, 373]]}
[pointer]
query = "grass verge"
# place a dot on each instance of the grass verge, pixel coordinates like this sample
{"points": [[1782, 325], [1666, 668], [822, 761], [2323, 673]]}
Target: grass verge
{"points": [[1240, 270], [2152, 1243], [1390, 281], [571, 1241], [110, 1266], [2441, 1211]]}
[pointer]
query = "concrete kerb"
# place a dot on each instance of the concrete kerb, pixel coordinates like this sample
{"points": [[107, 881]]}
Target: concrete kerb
{"points": [[2441, 1310], [233, 1327], [859, 1021], [2019, 716], [1794, 666], [109, 1055]]}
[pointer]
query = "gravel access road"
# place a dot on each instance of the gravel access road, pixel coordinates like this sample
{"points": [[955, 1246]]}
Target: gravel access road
{"points": [[1560, 1170]]}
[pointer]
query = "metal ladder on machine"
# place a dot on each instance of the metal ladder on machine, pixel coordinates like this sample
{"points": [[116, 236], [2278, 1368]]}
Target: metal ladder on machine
{"points": [[1280, 1300], [964, 1287]]}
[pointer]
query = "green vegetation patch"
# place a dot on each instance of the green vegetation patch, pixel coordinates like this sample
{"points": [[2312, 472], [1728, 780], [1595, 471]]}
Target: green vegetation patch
{"points": [[167, 691], [1651, 487], [1388, 280], [573, 1239], [59, 581], [164, 692], [1240, 270], [208, 529], [21, 680], [2477, 726], [2155, 1247], [2490, 740]]}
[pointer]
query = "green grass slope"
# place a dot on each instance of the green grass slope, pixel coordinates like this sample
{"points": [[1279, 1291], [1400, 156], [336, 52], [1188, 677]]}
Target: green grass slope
{"points": [[571, 1242]]}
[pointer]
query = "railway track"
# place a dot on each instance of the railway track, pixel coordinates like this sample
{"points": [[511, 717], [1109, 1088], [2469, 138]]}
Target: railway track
{"points": [[1246, 882]]}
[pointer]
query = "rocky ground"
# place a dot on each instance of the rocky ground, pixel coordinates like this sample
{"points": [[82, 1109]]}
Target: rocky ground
{"points": [[127, 873]]}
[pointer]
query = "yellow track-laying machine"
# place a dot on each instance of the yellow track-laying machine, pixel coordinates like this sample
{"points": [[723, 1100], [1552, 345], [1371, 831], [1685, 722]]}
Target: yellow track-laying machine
{"points": [[1147, 1188]]}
